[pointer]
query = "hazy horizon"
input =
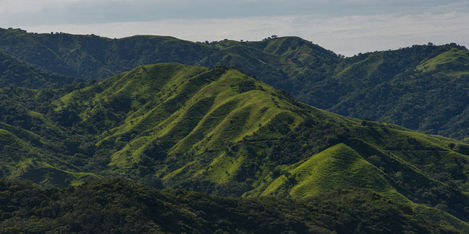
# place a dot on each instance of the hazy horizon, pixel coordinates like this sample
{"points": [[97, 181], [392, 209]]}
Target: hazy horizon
{"points": [[260, 39], [346, 27]]}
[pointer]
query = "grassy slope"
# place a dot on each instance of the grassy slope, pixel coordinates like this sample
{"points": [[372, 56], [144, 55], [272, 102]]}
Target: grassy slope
{"points": [[325, 172], [190, 110], [33, 145], [21, 159], [220, 130]]}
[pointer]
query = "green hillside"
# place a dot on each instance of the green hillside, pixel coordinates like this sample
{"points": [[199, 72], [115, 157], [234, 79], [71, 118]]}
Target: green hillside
{"points": [[90, 56], [32, 145], [421, 87], [15, 73], [221, 131]]}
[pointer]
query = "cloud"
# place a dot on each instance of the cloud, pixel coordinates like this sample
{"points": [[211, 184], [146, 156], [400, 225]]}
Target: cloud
{"points": [[28, 12]]}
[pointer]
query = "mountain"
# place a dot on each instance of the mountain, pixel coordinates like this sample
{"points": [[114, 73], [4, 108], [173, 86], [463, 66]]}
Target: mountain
{"points": [[104, 206], [19, 74], [31, 144], [90, 56], [221, 131], [421, 87]]}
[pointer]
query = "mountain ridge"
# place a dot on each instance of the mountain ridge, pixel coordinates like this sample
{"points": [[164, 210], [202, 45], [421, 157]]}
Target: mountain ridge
{"points": [[390, 86], [15, 73], [104, 205]]}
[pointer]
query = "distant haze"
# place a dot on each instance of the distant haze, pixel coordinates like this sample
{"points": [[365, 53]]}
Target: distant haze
{"points": [[345, 26]]}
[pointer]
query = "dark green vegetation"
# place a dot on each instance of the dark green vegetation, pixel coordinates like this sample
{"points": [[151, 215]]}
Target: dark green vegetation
{"points": [[421, 87], [221, 131], [14, 73], [117, 206]]}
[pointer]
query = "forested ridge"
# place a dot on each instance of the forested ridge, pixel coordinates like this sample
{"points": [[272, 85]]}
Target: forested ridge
{"points": [[422, 87], [119, 206]]}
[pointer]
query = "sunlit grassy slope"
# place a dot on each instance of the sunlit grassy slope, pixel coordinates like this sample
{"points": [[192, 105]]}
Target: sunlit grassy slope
{"points": [[221, 131], [452, 59], [336, 167], [22, 159]]}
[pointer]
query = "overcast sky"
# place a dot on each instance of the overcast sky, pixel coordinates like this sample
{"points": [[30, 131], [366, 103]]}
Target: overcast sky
{"points": [[345, 26]]}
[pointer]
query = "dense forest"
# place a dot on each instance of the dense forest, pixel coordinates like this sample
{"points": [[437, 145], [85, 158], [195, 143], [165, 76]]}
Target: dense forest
{"points": [[14, 73], [119, 206]]}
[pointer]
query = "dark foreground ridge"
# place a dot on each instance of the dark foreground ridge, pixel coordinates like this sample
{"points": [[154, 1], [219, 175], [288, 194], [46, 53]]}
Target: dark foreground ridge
{"points": [[119, 206]]}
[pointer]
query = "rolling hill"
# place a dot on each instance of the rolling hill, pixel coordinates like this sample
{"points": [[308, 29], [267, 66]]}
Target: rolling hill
{"points": [[421, 87], [221, 131], [14, 73]]}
